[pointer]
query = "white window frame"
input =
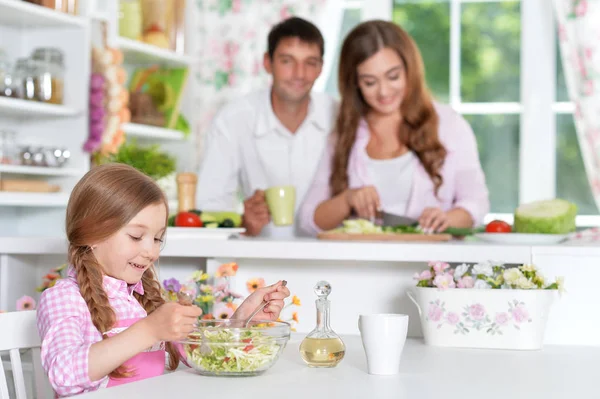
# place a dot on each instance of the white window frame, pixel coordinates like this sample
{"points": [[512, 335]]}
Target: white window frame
{"points": [[538, 106]]}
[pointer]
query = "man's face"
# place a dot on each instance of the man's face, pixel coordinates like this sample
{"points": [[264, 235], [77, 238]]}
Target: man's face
{"points": [[295, 67]]}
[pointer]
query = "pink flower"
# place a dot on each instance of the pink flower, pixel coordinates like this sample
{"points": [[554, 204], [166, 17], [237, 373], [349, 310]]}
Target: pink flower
{"points": [[502, 318], [588, 88], [520, 314], [444, 281], [581, 8], [256, 68], [227, 64], [439, 267], [435, 313], [562, 33], [452, 318], [222, 312], [189, 288], [236, 6], [477, 311], [231, 79], [285, 13], [466, 282], [25, 303], [425, 275]]}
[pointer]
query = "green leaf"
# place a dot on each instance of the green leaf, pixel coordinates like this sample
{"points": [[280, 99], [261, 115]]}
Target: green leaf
{"points": [[147, 159]]}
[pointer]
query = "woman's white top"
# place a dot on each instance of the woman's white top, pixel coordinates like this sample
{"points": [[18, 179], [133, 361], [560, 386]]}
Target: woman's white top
{"points": [[393, 179]]}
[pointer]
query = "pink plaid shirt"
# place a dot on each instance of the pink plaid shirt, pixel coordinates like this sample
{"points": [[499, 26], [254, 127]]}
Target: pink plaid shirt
{"points": [[67, 332]]}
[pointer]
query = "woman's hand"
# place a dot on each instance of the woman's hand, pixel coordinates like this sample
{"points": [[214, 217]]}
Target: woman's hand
{"points": [[274, 294], [364, 200], [172, 321], [434, 220]]}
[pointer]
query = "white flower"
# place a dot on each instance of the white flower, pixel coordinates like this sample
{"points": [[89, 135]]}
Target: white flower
{"points": [[525, 284], [481, 285], [560, 282], [460, 271], [512, 275], [483, 268], [528, 268]]}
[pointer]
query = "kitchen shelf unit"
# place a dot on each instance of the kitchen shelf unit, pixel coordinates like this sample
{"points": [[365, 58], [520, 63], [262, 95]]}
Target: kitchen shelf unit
{"points": [[23, 28]]}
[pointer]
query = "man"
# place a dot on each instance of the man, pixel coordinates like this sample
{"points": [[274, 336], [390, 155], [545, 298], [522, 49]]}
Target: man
{"points": [[271, 137]]}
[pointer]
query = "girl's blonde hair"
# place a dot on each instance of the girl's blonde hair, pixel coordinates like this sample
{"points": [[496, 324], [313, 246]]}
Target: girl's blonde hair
{"points": [[102, 203]]}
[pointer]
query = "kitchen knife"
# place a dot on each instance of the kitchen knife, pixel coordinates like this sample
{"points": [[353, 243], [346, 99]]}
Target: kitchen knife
{"points": [[392, 220]]}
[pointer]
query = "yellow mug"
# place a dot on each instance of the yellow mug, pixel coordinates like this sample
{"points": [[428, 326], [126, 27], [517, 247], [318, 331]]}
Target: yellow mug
{"points": [[281, 201]]}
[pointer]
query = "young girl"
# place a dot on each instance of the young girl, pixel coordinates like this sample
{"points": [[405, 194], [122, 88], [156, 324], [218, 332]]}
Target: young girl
{"points": [[106, 323], [394, 148]]}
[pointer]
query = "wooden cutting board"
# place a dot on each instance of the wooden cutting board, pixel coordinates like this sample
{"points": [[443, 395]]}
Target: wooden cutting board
{"points": [[28, 186], [336, 235]]}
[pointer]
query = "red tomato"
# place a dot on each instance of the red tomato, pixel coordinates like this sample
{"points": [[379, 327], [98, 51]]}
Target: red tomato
{"points": [[498, 226], [187, 219]]}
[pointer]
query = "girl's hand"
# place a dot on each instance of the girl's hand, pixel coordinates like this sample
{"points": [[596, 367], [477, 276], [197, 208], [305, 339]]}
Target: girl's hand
{"points": [[274, 294], [172, 321], [434, 220], [364, 200]]}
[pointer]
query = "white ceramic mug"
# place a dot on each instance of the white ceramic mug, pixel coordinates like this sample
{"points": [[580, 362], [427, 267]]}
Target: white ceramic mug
{"points": [[383, 337]]}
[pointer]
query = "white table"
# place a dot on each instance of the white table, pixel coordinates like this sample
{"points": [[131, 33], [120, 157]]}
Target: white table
{"points": [[427, 372]]}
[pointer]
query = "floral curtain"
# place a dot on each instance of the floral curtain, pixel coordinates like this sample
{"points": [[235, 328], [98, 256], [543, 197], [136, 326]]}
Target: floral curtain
{"points": [[579, 36], [230, 38]]}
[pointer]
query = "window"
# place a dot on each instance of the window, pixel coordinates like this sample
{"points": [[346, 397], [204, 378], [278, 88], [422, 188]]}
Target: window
{"points": [[472, 53], [351, 18]]}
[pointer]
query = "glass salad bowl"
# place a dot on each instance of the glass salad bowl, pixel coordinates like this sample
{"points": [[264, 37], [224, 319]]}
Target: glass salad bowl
{"points": [[227, 348]]}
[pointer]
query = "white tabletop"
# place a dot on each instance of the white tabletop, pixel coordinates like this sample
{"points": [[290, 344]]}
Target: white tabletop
{"points": [[427, 372]]}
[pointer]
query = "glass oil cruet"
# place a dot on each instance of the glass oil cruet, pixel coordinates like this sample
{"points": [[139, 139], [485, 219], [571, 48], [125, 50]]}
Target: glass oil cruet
{"points": [[322, 347]]}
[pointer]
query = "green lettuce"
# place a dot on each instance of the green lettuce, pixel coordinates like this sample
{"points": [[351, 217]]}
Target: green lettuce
{"points": [[555, 216]]}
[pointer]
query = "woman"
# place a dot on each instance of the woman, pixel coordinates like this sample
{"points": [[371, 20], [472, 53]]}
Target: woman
{"points": [[394, 149]]}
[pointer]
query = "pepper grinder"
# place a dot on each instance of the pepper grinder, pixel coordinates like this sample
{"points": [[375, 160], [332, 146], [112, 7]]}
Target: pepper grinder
{"points": [[186, 191], [322, 347]]}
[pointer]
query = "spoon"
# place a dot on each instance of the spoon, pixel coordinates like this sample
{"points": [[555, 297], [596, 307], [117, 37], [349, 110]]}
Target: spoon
{"points": [[260, 307]]}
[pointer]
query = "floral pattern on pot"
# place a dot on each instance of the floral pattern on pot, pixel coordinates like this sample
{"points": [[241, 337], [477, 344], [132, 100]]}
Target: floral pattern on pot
{"points": [[475, 317]]}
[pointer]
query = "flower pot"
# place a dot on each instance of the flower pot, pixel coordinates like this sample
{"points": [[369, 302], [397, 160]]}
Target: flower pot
{"points": [[491, 319]]}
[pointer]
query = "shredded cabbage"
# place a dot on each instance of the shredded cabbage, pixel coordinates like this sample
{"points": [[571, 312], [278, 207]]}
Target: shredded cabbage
{"points": [[363, 226], [231, 351]]}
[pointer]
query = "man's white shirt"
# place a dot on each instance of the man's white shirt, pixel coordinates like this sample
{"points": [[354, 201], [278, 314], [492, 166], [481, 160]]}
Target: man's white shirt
{"points": [[248, 148]]}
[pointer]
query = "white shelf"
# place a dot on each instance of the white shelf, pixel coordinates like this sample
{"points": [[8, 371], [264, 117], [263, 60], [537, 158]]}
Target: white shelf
{"points": [[40, 170], [151, 132], [100, 16], [12, 107], [21, 14], [139, 53], [33, 199]]}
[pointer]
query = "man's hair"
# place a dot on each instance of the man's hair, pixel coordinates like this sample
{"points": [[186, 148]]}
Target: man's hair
{"points": [[295, 27]]}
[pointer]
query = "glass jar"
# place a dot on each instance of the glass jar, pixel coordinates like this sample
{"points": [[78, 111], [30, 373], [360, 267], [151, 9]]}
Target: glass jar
{"points": [[66, 6], [49, 75], [130, 19], [8, 147], [155, 22], [24, 79], [7, 86]]}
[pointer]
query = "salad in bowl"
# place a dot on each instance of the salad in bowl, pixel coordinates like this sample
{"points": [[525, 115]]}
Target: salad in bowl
{"points": [[227, 348]]}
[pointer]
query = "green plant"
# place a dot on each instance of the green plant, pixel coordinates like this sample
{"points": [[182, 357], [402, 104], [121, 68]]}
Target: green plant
{"points": [[147, 159]]}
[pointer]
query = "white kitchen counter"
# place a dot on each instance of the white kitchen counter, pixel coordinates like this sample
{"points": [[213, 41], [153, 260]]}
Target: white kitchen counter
{"points": [[312, 249], [426, 372], [367, 277]]}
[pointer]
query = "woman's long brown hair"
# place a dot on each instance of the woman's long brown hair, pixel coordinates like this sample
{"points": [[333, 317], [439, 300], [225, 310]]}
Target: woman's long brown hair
{"points": [[419, 128], [101, 203]]}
